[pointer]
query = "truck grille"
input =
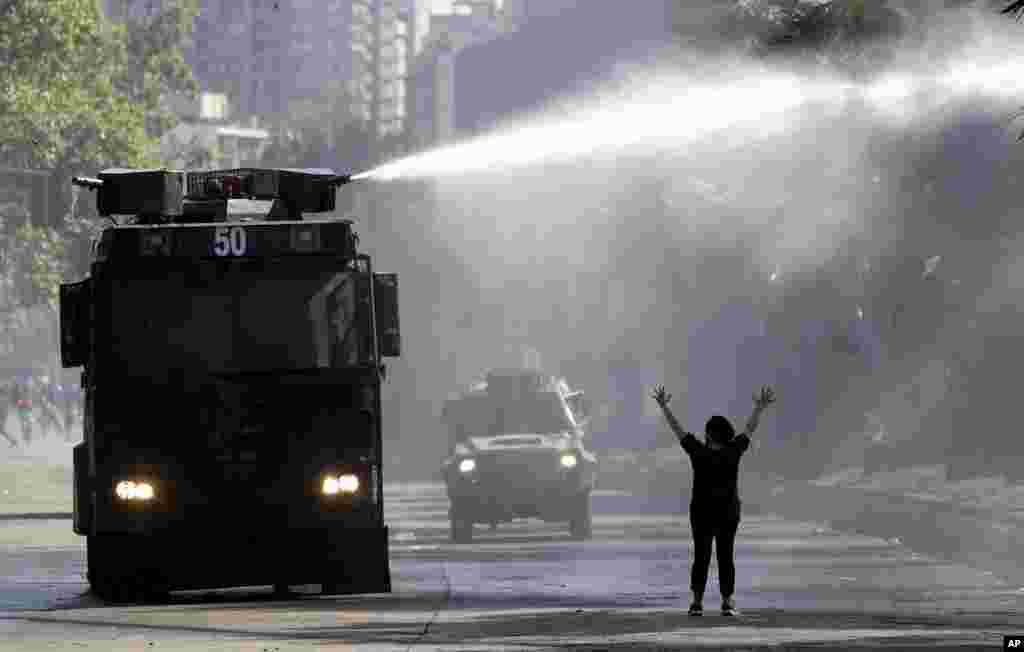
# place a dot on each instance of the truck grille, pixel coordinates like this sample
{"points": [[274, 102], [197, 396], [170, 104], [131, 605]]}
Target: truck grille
{"points": [[519, 468]]}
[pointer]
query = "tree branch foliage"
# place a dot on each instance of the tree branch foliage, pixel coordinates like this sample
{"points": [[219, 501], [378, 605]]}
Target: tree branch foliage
{"points": [[851, 35], [35, 267], [156, 65], [1015, 9], [321, 127], [79, 93]]}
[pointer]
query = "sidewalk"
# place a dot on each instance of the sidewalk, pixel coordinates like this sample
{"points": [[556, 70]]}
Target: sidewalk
{"points": [[36, 478]]}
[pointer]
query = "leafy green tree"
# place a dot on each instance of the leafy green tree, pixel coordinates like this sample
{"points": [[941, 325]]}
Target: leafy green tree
{"points": [[82, 93], [189, 150], [59, 65], [155, 34], [35, 267], [79, 93], [32, 262], [321, 124]]}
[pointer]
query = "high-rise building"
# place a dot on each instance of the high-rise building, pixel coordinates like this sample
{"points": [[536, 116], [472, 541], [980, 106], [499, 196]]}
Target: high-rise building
{"points": [[432, 82], [382, 37], [264, 54], [553, 49]]}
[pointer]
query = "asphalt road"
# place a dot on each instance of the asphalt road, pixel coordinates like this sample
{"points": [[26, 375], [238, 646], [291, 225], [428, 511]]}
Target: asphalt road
{"points": [[528, 586]]}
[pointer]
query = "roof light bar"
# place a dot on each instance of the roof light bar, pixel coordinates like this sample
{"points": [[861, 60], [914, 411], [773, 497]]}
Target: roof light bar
{"points": [[162, 192]]}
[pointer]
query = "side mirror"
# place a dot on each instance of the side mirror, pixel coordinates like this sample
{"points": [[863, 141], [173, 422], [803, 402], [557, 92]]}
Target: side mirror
{"points": [[389, 337], [75, 323]]}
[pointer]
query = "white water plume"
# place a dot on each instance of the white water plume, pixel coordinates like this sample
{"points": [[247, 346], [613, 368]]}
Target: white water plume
{"points": [[666, 114]]}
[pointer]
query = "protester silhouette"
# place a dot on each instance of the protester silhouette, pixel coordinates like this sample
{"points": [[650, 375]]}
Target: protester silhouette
{"points": [[714, 502]]}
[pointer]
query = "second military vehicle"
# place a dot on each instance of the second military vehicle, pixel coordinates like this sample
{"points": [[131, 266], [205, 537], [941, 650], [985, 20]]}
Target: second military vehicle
{"points": [[516, 451]]}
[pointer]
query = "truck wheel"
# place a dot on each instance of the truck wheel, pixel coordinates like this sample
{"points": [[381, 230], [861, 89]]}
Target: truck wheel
{"points": [[461, 527], [366, 569], [124, 587], [104, 586], [581, 524], [119, 582]]}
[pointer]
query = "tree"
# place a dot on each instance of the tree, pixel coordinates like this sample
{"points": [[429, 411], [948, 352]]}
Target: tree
{"points": [[59, 62], [155, 35], [188, 148], [850, 35], [31, 269], [1015, 9], [80, 93], [34, 267], [83, 93], [321, 131]]}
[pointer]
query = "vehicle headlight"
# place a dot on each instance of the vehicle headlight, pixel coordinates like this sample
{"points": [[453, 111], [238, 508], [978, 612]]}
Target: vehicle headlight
{"points": [[346, 483], [568, 460], [467, 465], [131, 490], [330, 485]]}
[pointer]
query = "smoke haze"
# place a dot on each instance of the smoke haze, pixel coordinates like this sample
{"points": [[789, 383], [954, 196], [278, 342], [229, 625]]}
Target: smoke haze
{"points": [[668, 221]]}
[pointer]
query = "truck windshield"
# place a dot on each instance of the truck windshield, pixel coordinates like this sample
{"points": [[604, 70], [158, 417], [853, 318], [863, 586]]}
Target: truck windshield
{"points": [[230, 316], [482, 416]]}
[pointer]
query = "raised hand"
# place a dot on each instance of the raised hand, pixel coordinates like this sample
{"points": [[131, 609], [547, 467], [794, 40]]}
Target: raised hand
{"points": [[766, 398], [662, 397]]}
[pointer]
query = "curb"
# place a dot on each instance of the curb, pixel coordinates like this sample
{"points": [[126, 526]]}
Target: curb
{"points": [[37, 516]]}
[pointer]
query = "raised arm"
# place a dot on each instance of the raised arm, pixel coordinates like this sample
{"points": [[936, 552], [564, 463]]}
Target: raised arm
{"points": [[762, 401], [663, 398]]}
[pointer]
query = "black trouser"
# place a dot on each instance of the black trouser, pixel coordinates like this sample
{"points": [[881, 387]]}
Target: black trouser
{"points": [[721, 526]]}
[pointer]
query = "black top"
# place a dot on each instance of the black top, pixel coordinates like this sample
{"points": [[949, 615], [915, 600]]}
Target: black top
{"points": [[715, 474]]}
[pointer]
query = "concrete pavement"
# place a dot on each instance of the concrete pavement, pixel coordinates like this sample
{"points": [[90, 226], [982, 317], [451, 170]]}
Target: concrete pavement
{"points": [[801, 585]]}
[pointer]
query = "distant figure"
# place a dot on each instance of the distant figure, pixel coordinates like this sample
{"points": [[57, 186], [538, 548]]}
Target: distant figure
{"points": [[715, 502], [69, 397], [878, 453], [47, 400], [5, 409], [21, 399]]}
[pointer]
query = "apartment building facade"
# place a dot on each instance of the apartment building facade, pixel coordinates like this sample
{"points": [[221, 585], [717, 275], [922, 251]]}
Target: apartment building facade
{"points": [[264, 54]]}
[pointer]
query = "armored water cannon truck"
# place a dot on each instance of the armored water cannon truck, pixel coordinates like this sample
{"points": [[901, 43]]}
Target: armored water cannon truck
{"points": [[517, 450], [232, 376]]}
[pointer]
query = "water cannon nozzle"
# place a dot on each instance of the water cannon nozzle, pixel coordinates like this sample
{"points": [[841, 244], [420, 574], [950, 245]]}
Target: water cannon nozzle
{"points": [[87, 182], [341, 179]]}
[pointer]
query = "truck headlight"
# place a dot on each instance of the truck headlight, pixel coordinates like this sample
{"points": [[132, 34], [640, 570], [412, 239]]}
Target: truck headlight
{"points": [[568, 460], [346, 483], [131, 490], [467, 465]]}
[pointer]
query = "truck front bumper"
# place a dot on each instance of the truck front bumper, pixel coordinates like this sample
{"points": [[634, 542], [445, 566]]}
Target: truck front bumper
{"points": [[496, 498], [194, 558]]}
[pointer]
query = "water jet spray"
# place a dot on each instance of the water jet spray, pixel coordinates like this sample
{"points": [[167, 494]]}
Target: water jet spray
{"points": [[664, 115]]}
